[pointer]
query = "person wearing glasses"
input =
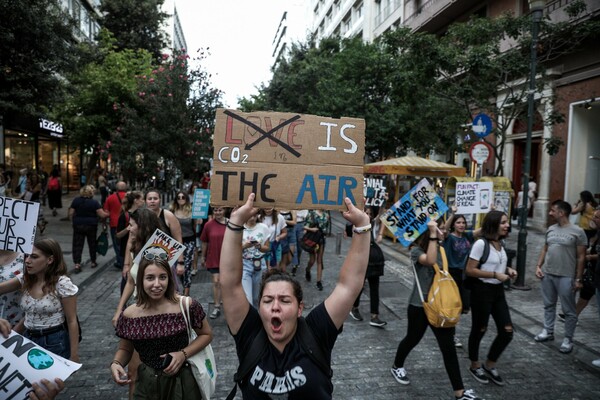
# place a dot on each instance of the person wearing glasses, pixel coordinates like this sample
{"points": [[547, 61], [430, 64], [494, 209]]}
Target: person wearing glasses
{"points": [[142, 224], [156, 329], [280, 307], [181, 207]]}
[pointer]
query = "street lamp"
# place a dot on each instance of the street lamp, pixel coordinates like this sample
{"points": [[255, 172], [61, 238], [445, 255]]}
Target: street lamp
{"points": [[537, 10]]}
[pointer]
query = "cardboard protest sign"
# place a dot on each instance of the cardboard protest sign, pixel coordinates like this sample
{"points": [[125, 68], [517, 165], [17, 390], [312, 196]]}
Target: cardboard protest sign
{"points": [[374, 192], [22, 363], [159, 244], [474, 197], [18, 224], [200, 203], [408, 217], [290, 161]]}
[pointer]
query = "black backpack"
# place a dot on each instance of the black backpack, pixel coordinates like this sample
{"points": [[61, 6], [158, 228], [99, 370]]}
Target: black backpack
{"points": [[259, 346], [471, 280]]}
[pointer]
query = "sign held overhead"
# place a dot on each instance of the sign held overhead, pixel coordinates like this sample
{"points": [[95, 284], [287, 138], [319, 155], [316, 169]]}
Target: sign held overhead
{"points": [[290, 161]]}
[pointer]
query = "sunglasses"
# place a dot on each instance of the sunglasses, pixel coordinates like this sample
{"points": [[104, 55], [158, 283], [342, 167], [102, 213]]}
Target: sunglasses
{"points": [[152, 256], [180, 197]]}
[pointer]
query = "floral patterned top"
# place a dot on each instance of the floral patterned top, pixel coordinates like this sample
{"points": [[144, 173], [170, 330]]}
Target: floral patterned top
{"points": [[321, 221], [47, 311], [9, 302], [155, 335]]}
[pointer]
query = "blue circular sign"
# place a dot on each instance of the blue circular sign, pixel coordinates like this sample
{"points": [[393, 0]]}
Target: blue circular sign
{"points": [[482, 125]]}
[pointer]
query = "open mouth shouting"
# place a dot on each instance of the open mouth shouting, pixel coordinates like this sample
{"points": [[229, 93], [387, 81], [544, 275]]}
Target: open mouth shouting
{"points": [[276, 324]]}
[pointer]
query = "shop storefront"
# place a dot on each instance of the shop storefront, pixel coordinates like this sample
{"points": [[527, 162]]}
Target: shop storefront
{"points": [[36, 145]]}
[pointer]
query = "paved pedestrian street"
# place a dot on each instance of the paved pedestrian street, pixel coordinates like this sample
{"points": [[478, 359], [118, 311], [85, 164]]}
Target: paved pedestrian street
{"points": [[363, 354]]}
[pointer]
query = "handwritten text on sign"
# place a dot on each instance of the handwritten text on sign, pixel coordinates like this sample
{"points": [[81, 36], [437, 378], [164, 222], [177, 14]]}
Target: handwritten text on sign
{"points": [[158, 243], [292, 161], [22, 363], [408, 217], [474, 197], [18, 222], [200, 203]]}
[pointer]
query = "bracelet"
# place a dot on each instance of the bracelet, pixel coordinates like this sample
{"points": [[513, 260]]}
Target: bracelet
{"points": [[434, 239], [180, 263], [184, 354], [362, 229], [116, 362], [234, 227]]}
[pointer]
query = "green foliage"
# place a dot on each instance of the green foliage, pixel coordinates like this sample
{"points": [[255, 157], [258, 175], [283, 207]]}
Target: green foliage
{"points": [[136, 24], [36, 50]]}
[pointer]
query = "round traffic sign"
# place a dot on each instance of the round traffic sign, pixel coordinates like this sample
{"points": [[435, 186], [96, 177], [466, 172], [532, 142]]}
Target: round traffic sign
{"points": [[482, 125], [480, 152]]}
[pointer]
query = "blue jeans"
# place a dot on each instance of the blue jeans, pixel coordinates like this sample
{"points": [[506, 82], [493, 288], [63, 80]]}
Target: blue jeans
{"points": [[251, 280], [294, 236], [57, 342], [117, 246]]}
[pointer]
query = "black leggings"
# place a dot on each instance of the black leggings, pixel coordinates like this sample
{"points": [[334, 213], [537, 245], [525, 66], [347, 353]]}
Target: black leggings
{"points": [[488, 299], [465, 293], [373, 294], [417, 325]]}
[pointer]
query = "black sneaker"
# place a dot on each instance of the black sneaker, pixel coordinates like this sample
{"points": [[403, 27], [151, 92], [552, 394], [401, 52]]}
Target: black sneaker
{"points": [[376, 322], [319, 286], [479, 375], [294, 269], [355, 314], [400, 375], [494, 375], [468, 395], [307, 275]]}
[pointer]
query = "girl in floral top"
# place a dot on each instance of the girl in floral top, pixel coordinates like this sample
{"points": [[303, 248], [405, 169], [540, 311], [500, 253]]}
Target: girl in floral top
{"points": [[11, 265], [156, 329], [48, 300], [317, 220]]}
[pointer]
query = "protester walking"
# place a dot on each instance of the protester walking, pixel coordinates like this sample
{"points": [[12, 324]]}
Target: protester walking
{"points": [[585, 207], [295, 237], [182, 209], [114, 205], [487, 296], [48, 300], [424, 252], [212, 241], [317, 220], [131, 202], [54, 190], [255, 245], [84, 213]]}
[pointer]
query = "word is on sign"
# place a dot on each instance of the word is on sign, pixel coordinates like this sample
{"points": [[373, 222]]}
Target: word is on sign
{"points": [[407, 218], [289, 161], [474, 197]]}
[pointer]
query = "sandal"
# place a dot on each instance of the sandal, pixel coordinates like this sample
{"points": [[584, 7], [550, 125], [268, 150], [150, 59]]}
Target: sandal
{"points": [[77, 268]]}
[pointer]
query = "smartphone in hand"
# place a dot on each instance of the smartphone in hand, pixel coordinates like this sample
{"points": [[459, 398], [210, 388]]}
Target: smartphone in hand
{"points": [[166, 361]]}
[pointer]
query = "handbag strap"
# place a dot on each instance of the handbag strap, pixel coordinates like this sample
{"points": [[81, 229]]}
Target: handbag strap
{"points": [[435, 267], [185, 311]]}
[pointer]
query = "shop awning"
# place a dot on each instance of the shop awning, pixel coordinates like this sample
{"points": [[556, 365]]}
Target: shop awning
{"points": [[413, 166]]}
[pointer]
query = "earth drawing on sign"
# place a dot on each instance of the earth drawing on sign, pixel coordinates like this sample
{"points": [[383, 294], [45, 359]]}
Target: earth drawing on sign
{"points": [[39, 360]]}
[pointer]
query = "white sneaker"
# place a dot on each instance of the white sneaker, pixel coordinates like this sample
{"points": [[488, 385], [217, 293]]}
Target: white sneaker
{"points": [[596, 363], [400, 375], [544, 336], [457, 343], [567, 346]]}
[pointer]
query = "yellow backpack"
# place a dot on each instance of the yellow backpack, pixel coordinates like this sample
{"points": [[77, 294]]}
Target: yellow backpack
{"points": [[443, 306]]}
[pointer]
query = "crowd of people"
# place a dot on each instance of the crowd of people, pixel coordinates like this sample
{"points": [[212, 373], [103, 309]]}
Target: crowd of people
{"points": [[253, 256]]}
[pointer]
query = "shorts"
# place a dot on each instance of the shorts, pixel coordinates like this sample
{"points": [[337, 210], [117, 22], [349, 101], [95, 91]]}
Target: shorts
{"points": [[587, 292], [213, 270], [285, 245]]}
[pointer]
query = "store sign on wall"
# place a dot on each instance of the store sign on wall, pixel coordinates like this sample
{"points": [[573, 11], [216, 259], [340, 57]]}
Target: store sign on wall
{"points": [[54, 128]]}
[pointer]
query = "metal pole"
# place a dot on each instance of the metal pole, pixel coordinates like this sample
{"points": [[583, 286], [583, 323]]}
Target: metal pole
{"points": [[536, 16]]}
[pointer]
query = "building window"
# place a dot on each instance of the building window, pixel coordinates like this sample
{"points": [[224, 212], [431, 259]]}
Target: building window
{"points": [[358, 10], [346, 23]]}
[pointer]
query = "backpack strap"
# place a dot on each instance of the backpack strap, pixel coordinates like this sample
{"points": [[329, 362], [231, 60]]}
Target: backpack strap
{"points": [[308, 342], [485, 254]]}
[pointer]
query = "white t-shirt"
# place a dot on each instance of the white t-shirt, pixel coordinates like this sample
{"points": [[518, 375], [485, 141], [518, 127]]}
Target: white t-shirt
{"points": [[274, 229], [259, 233], [496, 260], [301, 215]]}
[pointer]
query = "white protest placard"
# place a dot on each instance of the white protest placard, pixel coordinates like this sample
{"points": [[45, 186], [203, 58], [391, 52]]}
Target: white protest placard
{"points": [[474, 197], [200, 203], [18, 223], [161, 243], [23, 362], [407, 218], [374, 192]]}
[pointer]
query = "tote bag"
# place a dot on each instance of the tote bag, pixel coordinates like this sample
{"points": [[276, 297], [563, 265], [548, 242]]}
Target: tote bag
{"points": [[311, 240], [202, 363], [102, 243]]}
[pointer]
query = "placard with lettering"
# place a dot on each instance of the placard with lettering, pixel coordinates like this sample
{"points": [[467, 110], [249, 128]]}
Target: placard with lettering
{"points": [[200, 203], [18, 224], [290, 161], [407, 218], [474, 197], [23, 363], [160, 243], [374, 192]]}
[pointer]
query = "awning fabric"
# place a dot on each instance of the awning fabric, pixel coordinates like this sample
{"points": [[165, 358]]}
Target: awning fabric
{"points": [[413, 166]]}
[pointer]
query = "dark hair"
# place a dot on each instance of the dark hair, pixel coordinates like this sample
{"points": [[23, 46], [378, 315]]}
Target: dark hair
{"points": [[275, 275], [563, 206], [142, 296], [587, 197], [152, 190], [187, 207], [58, 268], [147, 222], [455, 218], [130, 198], [491, 223], [262, 215]]}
